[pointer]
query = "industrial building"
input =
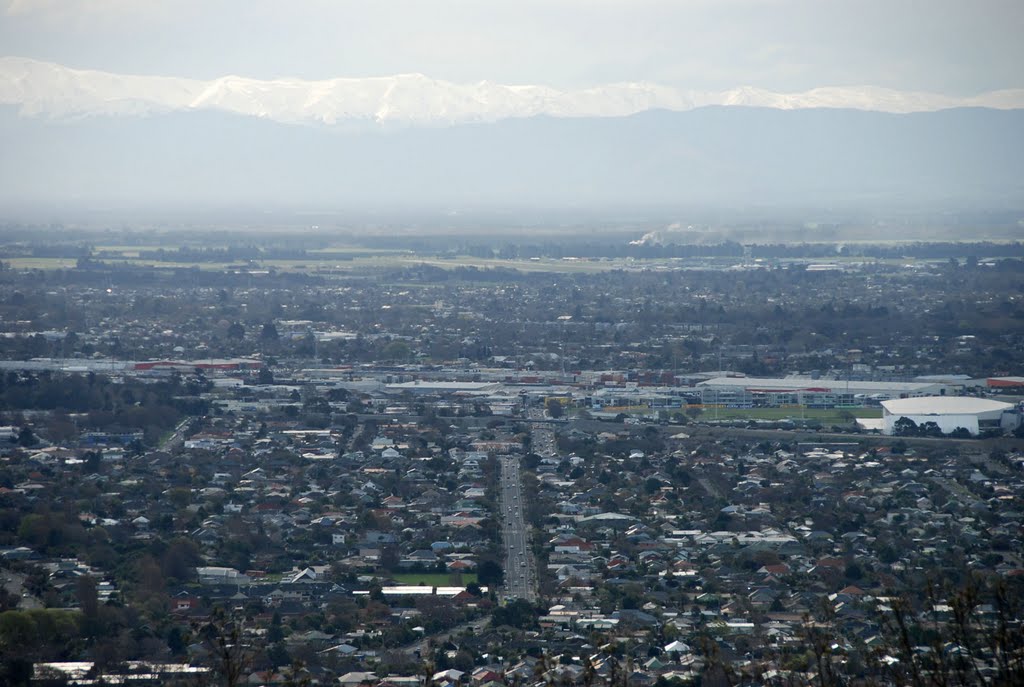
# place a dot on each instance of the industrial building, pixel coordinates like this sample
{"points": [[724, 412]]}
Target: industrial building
{"points": [[207, 364], [950, 413], [435, 387]]}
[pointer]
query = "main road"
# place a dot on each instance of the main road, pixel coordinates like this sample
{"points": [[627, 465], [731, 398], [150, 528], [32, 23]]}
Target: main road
{"points": [[520, 574]]}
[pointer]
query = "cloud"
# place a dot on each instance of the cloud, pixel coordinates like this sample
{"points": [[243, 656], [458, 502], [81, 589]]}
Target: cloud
{"points": [[28, 6], [49, 7], [90, 15], [944, 45], [67, 8]]}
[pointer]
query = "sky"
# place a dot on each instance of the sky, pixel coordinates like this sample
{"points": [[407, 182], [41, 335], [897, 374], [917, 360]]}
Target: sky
{"points": [[956, 48]]}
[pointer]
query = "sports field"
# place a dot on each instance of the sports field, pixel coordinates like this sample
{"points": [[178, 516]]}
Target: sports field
{"points": [[435, 579]]}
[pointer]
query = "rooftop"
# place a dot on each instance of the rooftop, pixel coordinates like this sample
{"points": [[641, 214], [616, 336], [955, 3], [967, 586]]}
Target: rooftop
{"points": [[943, 405]]}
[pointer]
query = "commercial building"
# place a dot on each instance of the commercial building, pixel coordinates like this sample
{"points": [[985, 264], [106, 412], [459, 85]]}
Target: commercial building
{"points": [[748, 392], [1005, 383]]}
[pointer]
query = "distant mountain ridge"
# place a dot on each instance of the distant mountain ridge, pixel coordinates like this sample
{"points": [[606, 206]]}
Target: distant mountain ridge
{"points": [[723, 155], [51, 90]]}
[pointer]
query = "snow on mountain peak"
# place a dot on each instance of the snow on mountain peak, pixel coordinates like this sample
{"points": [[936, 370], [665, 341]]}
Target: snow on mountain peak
{"points": [[52, 90]]}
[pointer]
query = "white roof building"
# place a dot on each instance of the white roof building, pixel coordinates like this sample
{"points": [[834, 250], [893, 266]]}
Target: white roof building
{"points": [[948, 412]]}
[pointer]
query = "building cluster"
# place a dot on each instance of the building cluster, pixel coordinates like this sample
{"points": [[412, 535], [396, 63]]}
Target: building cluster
{"points": [[348, 547]]}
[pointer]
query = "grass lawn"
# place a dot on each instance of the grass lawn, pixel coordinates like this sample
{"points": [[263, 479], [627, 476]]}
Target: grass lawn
{"points": [[435, 579]]}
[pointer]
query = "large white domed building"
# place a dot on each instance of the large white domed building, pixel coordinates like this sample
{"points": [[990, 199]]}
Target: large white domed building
{"points": [[949, 413]]}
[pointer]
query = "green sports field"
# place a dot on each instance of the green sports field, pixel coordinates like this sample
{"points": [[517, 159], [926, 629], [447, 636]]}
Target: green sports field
{"points": [[435, 579]]}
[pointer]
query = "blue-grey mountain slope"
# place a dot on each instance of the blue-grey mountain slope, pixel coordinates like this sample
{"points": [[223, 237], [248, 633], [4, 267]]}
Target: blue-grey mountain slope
{"points": [[712, 155]]}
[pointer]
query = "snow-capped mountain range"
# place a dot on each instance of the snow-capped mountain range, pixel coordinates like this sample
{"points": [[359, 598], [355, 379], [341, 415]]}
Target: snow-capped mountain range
{"points": [[43, 89]]}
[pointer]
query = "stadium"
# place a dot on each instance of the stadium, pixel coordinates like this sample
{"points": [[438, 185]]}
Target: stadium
{"points": [[950, 413]]}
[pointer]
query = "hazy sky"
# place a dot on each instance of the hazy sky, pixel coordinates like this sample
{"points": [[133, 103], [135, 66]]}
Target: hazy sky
{"points": [[953, 47]]}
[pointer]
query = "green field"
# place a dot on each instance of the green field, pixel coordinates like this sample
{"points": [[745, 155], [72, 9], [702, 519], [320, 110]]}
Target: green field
{"points": [[435, 579]]}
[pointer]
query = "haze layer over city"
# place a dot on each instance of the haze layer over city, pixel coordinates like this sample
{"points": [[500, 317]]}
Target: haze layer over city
{"points": [[511, 344]]}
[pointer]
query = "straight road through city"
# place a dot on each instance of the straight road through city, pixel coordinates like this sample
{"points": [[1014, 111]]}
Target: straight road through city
{"points": [[520, 575]]}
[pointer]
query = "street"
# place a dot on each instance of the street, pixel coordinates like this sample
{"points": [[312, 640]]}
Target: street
{"points": [[520, 576]]}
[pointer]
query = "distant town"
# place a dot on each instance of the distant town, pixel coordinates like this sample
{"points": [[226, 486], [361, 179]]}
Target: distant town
{"points": [[476, 462]]}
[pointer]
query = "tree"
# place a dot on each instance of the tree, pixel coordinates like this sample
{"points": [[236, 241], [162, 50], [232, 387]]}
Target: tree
{"points": [[905, 427], [554, 408], [223, 638], [296, 675], [490, 573], [88, 601], [92, 462], [396, 350], [278, 655], [269, 332], [376, 592], [236, 331], [961, 647], [275, 633], [26, 437], [180, 559], [176, 641], [390, 557], [517, 613]]}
